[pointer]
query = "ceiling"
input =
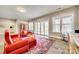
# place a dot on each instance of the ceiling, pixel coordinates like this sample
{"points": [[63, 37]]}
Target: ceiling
{"points": [[32, 11]]}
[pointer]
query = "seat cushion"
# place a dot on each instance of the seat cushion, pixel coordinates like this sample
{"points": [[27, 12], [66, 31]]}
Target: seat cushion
{"points": [[15, 38], [16, 45], [20, 50], [23, 33], [32, 42]]}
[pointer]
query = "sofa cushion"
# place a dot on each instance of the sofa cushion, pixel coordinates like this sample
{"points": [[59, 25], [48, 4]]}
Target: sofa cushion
{"points": [[23, 33], [15, 38], [20, 50], [16, 45]]}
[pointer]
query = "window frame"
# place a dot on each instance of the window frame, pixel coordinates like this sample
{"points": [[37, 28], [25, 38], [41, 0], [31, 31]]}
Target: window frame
{"points": [[61, 24], [56, 17], [72, 23], [32, 29]]}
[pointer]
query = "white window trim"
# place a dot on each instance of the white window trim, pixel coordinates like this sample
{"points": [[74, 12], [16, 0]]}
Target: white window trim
{"points": [[61, 22]]}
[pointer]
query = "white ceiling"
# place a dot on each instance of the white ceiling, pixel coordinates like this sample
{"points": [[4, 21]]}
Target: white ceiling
{"points": [[9, 11]]}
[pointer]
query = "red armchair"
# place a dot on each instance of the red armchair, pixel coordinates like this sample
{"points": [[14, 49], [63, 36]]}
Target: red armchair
{"points": [[18, 45]]}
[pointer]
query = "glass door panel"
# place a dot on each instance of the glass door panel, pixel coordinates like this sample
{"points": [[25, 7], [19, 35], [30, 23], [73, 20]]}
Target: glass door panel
{"points": [[42, 28], [46, 28]]}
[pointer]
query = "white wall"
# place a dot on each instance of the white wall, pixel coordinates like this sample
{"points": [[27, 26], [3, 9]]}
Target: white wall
{"points": [[5, 25], [18, 23]]}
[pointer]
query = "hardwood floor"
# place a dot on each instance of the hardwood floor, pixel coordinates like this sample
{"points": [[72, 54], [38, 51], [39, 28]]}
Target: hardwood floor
{"points": [[58, 47]]}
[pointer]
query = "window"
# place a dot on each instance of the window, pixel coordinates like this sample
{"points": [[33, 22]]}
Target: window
{"points": [[67, 24], [46, 28], [39, 28], [42, 28], [63, 24], [56, 24], [31, 26], [36, 24]]}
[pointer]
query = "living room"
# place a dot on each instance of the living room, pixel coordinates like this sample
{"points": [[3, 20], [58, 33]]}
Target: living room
{"points": [[48, 25]]}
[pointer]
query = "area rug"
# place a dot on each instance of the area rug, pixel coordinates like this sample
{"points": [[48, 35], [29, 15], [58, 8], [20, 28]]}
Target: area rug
{"points": [[42, 46]]}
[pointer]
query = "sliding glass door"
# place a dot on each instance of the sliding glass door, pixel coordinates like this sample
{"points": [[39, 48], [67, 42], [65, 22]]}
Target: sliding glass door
{"points": [[31, 26], [38, 28], [46, 28], [35, 25], [41, 28]]}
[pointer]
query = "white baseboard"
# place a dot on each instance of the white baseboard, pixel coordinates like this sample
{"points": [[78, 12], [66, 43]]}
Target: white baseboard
{"points": [[57, 37]]}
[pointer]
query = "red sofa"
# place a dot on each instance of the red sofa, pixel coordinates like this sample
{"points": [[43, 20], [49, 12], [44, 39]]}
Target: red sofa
{"points": [[17, 45]]}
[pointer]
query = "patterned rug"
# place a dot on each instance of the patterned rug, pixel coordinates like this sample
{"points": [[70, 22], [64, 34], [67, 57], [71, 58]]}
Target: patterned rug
{"points": [[42, 46]]}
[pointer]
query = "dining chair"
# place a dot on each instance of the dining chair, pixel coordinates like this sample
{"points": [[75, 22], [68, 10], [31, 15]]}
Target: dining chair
{"points": [[72, 48]]}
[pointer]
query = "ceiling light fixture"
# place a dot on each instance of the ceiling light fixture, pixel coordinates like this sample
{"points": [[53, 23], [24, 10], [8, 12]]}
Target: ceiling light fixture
{"points": [[21, 9]]}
